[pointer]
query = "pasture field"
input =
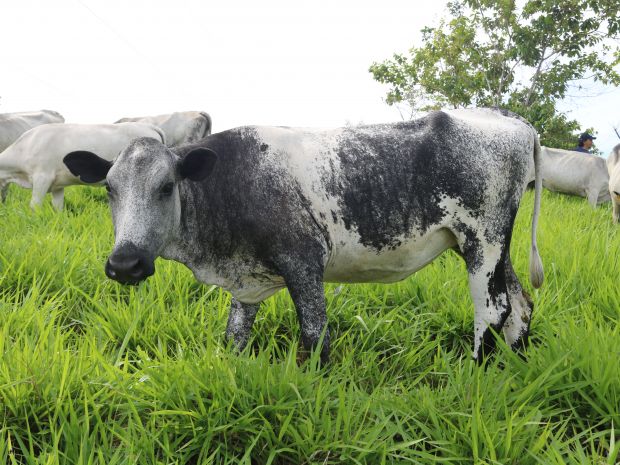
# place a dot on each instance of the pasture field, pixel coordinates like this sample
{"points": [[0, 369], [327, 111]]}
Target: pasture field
{"points": [[92, 372]]}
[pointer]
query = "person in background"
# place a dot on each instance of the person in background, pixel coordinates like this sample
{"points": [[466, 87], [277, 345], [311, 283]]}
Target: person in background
{"points": [[585, 143]]}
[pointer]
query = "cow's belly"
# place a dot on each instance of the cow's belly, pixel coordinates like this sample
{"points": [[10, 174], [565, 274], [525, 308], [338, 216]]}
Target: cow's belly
{"points": [[559, 179], [244, 279], [21, 181], [565, 186], [349, 262], [63, 179], [252, 292], [352, 262]]}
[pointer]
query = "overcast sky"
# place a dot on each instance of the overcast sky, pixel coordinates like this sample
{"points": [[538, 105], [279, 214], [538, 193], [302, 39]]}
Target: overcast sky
{"points": [[294, 63]]}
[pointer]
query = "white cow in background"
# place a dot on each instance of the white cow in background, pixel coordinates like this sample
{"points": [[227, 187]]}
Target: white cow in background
{"points": [[13, 125], [35, 159], [575, 173], [179, 127], [613, 168]]}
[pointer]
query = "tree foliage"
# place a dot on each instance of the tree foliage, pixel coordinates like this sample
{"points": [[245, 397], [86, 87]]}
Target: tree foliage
{"points": [[523, 57]]}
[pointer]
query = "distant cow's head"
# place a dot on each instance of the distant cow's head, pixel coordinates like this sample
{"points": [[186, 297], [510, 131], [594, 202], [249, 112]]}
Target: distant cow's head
{"points": [[143, 189]]}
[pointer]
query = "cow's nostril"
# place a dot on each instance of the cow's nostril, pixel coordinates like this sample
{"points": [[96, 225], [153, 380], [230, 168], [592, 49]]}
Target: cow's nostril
{"points": [[137, 269], [617, 193], [124, 263]]}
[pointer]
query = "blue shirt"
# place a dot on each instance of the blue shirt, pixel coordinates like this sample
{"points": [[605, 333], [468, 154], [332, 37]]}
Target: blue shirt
{"points": [[580, 149]]}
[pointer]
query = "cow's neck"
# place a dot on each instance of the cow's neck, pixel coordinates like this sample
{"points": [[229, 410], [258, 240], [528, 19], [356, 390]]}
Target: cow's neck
{"points": [[8, 165], [193, 243], [207, 244], [9, 162]]}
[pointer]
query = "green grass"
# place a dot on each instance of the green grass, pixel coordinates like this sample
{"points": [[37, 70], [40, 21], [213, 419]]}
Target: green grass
{"points": [[93, 372]]}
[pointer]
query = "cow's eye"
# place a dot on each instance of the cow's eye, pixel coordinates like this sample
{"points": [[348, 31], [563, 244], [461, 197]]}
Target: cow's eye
{"points": [[167, 189]]}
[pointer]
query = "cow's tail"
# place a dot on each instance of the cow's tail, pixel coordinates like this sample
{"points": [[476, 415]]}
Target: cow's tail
{"points": [[537, 274], [208, 123]]}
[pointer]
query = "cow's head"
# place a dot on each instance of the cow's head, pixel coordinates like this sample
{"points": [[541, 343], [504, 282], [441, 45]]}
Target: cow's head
{"points": [[143, 189]]}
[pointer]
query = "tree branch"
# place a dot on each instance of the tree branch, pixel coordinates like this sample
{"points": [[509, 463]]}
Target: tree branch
{"points": [[535, 77]]}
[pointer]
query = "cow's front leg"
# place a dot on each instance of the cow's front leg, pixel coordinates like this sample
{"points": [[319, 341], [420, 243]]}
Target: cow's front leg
{"points": [[58, 198], [41, 182], [240, 321], [308, 296]]}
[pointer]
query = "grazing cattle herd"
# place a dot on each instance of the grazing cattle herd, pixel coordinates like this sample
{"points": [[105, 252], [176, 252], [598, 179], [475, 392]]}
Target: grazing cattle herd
{"points": [[256, 209], [35, 159]]}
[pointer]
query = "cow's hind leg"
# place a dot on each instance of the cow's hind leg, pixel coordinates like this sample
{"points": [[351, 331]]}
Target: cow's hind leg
{"points": [[240, 321], [489, 291], [517, 325]]}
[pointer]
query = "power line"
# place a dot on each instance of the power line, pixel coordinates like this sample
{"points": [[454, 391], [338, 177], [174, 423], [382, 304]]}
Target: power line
{"points": [[35, 77], [116, 33], [159, 72]]}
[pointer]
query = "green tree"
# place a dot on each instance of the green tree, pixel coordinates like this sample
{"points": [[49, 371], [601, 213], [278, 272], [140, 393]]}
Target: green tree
{"points": [[524, 58]]}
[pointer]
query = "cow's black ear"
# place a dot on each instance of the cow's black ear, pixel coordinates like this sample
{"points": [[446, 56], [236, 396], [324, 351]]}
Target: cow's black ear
{"points": [[87, 166], [197, 164]]}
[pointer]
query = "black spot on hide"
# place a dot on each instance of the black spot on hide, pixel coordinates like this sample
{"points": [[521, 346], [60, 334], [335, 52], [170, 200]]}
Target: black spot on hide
{"points": [[395, 176]]}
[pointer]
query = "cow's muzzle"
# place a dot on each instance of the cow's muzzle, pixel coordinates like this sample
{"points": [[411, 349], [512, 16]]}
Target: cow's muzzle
{"points": [[129, 265]]}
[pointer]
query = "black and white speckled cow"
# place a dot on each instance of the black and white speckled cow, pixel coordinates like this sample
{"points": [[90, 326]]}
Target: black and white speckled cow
{"points": [[256, 209]]}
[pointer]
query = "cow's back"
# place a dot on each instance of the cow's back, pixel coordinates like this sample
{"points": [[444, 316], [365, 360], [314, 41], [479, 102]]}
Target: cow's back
{"points": [[179, 127], [13, 125], [383, 180]]}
